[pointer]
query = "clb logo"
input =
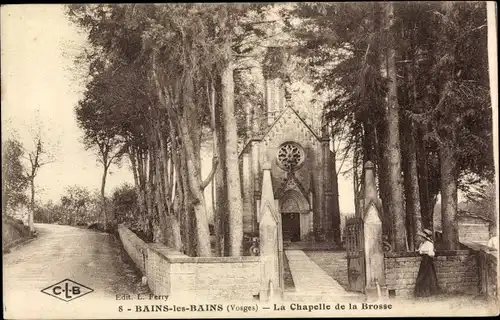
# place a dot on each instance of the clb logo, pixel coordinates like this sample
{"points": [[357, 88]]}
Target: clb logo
{"points": [[67, 290]]}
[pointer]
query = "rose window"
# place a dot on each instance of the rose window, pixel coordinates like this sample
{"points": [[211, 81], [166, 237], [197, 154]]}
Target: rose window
{"points": [[290, 156]]}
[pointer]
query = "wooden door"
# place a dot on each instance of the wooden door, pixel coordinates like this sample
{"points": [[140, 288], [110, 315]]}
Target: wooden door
{"points": [[291, 226]]}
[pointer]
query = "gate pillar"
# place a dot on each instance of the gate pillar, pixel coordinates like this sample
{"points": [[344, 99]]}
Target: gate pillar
{"points": [[372, 230], [364, 244], [271, 242]]}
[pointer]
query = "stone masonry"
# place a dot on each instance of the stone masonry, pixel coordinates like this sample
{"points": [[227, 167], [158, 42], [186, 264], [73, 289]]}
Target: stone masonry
{"points": [[457, 272], [177, 275]]}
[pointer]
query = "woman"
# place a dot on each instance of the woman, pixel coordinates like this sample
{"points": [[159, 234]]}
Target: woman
{"points": [[427, 284]]}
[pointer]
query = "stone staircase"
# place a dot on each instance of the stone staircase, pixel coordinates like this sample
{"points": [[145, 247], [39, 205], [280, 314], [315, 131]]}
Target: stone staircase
{"points": [[334, 263], [312, 283]]}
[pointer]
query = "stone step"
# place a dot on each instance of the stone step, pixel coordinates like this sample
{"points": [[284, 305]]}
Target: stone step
{"points": [[312, 283], [323, 297]]}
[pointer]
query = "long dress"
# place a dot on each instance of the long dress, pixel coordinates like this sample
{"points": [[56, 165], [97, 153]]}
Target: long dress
{"points": [[427, 283]]}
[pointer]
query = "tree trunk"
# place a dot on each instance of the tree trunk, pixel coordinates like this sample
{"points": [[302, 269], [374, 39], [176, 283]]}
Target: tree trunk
{"points": [[167, 184], [369, 145], [140, 176], [103, 195], [393, 151], [235, 202], [31, 212], [135, 169], [382, 165], [383, 182], [197, 200], [423, 182], [180, 190], [219, 183], [412, 192], [150, 193], [335, 202], [407, 190], [448, 165], [355, 182], [189, 240], [165, 228], [189, 127]]}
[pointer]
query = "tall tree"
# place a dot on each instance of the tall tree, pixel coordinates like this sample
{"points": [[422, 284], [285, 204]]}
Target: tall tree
{"points": [[235, 203], [458, 111], [179, 55], [392, 146], [37, 157], [94, 116], [14, 182]]}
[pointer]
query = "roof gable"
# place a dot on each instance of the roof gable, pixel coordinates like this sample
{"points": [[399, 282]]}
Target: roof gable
{"points": [[282, 118], [287, 112]]}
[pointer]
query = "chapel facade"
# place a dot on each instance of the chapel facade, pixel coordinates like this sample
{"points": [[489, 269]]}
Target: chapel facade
{"points": [[301, 170]]}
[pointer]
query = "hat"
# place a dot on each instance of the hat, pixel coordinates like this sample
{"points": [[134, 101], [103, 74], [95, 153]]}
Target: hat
{"points": [[426, 233]]}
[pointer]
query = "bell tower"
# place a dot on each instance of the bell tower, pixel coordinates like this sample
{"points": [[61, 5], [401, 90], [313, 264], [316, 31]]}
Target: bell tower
{"points": [[274, 87]]}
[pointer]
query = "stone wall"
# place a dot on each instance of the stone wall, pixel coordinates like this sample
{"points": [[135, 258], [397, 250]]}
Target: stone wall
{"points": [[175, 274], [13, 232], [135, 247], [473, 230], [457, 272]]}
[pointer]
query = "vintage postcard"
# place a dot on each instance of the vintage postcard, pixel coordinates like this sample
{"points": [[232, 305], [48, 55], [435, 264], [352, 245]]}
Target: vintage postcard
{"points": [[242, 160]]}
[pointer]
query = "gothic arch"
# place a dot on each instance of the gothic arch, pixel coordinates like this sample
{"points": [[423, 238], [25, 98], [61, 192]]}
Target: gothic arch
{"points": [[293, 201]]}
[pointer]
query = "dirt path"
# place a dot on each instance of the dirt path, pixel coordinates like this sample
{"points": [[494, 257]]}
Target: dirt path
{"points": [[91, 258]]}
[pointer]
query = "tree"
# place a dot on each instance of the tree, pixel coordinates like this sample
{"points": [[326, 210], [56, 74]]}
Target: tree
{"points": [[235, 203], [124, 200], [194, 50], [345, 47], [14, 182], [458, 113], [440, 84], [38, 157], [392, 146], [76, 203], [94, 115], [483, 202]]}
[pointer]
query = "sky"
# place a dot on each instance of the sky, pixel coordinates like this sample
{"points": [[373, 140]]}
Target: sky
{"points": [[40, 90]]}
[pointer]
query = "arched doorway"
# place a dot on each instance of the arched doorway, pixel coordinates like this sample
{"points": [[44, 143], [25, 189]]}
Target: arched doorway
{"points": [[293, 205]]}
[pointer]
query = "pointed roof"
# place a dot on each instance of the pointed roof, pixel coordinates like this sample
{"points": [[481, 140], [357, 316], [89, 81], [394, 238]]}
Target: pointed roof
{"points": [[261, 137], [289, 107]]}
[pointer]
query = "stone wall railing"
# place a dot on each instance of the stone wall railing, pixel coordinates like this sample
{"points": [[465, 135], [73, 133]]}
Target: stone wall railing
{"points": [[457, 272], [135, 247], [177, 275]]}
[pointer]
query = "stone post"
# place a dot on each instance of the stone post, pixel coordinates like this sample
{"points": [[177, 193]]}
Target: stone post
{"points": [[373, 245], [271, 244]]}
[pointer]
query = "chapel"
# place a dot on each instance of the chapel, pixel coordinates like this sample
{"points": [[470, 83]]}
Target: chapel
{"points": [[301, 165]]}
